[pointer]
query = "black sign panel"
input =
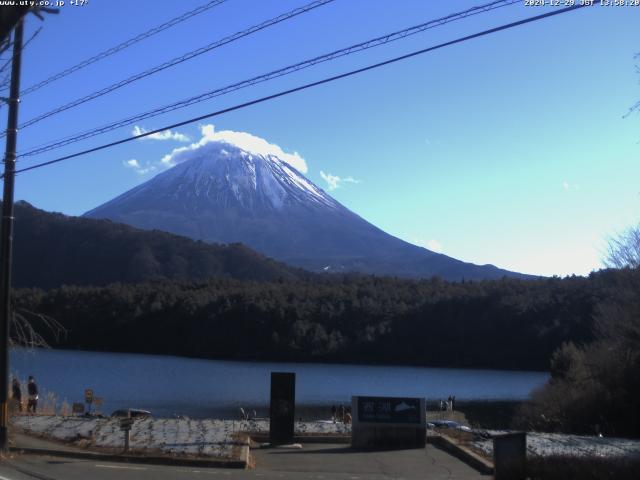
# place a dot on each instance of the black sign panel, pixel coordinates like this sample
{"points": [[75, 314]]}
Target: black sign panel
{"points": [[126, 424], [389, 410], [510, 456], [282, 409]]}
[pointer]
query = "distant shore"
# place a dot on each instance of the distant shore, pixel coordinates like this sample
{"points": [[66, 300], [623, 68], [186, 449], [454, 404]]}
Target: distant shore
{"points": [[304, 361], [491, 414]]}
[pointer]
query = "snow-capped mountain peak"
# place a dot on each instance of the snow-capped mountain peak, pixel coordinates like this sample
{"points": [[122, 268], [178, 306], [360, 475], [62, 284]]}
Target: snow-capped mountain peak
{"points": [[219, 192], [224, 172]]}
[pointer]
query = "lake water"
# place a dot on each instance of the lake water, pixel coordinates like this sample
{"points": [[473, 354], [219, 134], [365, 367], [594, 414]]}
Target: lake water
{"points": [[211, 388]]}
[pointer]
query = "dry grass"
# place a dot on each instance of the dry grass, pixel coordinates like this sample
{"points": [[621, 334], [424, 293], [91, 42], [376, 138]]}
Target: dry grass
{"points": [[47, 404], [65, 409]]}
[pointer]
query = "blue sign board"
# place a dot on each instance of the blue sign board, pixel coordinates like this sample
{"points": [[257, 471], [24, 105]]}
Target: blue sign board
{"points": [[389, 410]]}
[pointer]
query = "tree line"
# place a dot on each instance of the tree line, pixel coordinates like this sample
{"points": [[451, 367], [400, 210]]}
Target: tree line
{"points": [[504, 324], [595, 385]]}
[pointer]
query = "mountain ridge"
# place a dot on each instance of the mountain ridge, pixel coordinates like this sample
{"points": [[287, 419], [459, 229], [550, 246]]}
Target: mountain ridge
{"points": [[223, 194], [52, 249]]}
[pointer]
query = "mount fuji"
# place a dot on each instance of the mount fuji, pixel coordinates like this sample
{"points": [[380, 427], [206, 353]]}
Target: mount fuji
{"points": [[222, 193]]}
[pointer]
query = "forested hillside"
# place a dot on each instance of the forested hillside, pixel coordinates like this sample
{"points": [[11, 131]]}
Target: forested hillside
{"points": [[509, 323], [51, 249]]}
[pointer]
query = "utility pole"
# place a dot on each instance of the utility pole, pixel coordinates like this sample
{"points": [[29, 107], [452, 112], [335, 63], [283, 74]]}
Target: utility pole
{"points": [[6, 239]]}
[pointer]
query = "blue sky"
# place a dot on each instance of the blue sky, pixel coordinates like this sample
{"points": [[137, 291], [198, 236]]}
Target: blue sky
{"points": [[510, 149]]}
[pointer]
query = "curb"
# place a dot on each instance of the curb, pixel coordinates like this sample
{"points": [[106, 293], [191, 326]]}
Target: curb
{"points": [[245, 457], [263, 438], [242, 463], [470, 458]]}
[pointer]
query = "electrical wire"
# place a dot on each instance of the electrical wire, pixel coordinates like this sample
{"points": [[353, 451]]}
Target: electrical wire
{"points": [[7, 77], [178, 60], [307, 86], [8, 62], [382, 40], [123, 45]]}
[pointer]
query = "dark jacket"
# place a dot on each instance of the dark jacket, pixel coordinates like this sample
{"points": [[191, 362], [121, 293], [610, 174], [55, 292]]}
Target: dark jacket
{"points": [[17, 393], [32, 388]]}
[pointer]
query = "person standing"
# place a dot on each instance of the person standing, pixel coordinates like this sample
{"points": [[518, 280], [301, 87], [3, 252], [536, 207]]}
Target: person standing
{"points": [[32, 389], [347, 417], [16, 391]]}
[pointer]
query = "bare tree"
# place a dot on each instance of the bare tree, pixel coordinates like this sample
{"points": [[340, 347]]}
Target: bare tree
{"points": [[636, 106], [32, 329], [624, 249]]}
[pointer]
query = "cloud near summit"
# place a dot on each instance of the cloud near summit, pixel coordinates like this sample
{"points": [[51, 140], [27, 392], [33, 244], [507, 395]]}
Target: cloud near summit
{"points": [[334, 181], [243, 140], [164, 135]]}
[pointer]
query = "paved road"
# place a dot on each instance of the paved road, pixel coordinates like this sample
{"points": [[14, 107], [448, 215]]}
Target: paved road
{"points": [[340, 462], [313, 462]]}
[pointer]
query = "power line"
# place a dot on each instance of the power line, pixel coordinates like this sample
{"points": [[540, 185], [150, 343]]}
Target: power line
{"points": [[24, 47], [8, 62], [178, 60], [307, 86], [123, 45], [273, 74]]}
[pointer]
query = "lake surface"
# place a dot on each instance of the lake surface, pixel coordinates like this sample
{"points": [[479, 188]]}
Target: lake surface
{"points": [[212, 388]]}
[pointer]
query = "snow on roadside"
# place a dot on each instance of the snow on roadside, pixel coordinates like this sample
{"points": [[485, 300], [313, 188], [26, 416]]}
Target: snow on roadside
{"points": [[167, 435], [548, 444], [170, 436]]}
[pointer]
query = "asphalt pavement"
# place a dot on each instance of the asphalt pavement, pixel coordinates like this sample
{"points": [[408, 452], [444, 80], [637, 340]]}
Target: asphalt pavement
{"points": [[312, 462]]}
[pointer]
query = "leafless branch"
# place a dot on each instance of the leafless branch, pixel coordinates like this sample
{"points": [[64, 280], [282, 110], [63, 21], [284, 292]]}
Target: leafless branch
{"points": [[25, 334], [5, 45], [636, 106], [624, 250]]}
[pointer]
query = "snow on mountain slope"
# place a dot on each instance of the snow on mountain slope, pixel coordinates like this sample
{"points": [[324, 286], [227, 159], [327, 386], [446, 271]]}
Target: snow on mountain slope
{"points": [[220, 172], [222, 193]]}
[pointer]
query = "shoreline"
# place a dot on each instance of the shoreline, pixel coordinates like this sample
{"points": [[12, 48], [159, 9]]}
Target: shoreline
{"points": [[480, 413], [362, 363]]}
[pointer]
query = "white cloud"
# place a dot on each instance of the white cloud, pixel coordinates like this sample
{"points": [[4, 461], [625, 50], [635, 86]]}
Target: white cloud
{"points": [[570, 186], [334, 181], [431, 244], [243, 140], [134, 165], [434, 245], [164, 135]]}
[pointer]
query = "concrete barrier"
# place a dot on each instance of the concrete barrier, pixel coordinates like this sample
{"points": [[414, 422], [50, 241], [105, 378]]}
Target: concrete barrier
{"points": [[510, 456]]}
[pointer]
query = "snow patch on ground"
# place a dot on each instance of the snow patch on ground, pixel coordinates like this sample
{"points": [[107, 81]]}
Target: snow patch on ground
{"points": [[207, 437], [550, 444]]}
